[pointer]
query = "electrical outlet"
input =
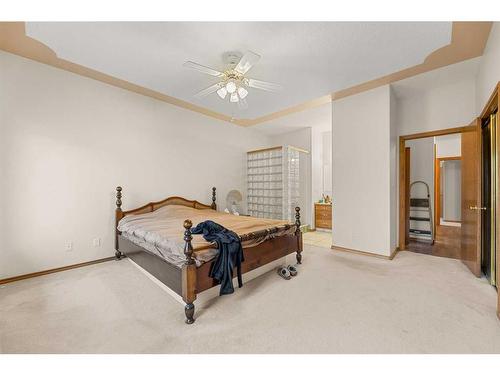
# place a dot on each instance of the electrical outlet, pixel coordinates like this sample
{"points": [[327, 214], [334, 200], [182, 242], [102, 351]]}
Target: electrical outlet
{"points": [[68, 246], [96, 242]]}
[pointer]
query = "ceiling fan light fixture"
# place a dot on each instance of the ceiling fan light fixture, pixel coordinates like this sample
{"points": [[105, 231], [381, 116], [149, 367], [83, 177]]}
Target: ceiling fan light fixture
{"points": [[242, 92], [234, 98], [231, 87], [233, 83], [222, 92]]}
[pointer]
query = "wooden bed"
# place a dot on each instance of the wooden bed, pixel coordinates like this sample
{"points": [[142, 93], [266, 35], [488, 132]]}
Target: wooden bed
{"points": [[190, 280]]}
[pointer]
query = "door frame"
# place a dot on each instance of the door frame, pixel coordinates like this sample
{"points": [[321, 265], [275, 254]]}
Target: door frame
{"points": [[491, 106], [437, 186], [402, 171], [407, 194]]}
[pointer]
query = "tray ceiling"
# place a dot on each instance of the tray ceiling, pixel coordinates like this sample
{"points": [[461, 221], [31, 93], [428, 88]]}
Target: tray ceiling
{"points": [[309, 60]]}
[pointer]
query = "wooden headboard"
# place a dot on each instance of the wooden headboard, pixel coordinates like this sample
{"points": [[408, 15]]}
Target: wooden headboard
{"points": [[153, 206]]}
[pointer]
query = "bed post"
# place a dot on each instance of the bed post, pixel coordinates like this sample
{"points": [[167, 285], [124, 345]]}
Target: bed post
{"points": [[298, 234], [118, 216], [188, 274], [213, 205]]}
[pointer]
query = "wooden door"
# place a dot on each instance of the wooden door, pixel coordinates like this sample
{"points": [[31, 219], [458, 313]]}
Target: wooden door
{"points": [[471, 200]]}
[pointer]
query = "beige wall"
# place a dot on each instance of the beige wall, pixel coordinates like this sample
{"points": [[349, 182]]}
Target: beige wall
{"points": [[451, 181], [361, 160], [445, 106], [393, 170], [489, 69], [46, 113], [67, 141], [448, 145]]}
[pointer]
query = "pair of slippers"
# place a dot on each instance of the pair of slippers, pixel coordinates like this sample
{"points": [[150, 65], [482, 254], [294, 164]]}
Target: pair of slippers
{"points": [[287, 272]]}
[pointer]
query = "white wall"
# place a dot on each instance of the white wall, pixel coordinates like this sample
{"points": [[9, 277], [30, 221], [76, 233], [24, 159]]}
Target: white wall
{"points": [[316, 169], [489, 69], [321, 166], [361, 162], [451, 186], [302, 139], [442, 107], [68, 141], [448, 145], [326, 167], [321, 163], [451, 183], [299, 138], [394, 180]]}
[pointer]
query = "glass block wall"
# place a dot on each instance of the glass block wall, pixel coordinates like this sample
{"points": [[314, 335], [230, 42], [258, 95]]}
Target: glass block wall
{"points": [[265, 183], [273, 186]]}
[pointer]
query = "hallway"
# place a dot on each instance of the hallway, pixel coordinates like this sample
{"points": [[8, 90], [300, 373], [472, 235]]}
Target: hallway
{"points": [[446, 244]]}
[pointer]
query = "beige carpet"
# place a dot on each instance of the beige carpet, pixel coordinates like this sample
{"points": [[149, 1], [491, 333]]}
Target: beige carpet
{"points": [[339, 303]]}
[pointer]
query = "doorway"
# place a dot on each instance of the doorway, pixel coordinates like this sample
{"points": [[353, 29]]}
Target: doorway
{"points": [[459, 238], [433, 185]]}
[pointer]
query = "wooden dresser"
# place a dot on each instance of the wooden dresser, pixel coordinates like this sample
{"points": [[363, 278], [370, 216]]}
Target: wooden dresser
{"points": [[322, 216]]}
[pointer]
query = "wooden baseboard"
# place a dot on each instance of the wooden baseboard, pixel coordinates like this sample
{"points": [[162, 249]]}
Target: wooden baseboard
{"points": [[53, 270], [359, 252], [394, 253]]}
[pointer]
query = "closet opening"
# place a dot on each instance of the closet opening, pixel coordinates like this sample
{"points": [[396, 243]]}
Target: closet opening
{"points": [[489, 194]]}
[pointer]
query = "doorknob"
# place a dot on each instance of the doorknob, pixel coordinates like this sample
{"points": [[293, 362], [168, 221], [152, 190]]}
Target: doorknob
{"points": [[477, 208]]}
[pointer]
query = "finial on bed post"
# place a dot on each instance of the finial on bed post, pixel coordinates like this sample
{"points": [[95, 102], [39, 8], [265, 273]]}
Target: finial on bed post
{"points": [[188, 247], [297, 219], [118, 216], [214, 196], [118, 197], [298, 256]]}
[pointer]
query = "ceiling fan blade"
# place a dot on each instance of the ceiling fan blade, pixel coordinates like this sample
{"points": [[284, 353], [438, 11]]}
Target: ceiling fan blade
{"points": [[262, 85], [242, 104], [248, 60], [203, 69], [208, 91]]}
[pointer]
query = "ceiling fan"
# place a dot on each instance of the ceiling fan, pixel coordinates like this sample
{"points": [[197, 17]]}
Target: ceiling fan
{"points": [[232, 80]]}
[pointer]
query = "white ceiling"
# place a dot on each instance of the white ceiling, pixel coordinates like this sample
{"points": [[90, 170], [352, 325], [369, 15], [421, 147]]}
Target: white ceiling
{"points": [[309, 59], [447, 75]]}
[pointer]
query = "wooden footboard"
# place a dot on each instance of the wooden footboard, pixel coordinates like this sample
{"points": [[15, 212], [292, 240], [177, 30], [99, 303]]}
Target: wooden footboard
{"points": [[255, 257], [197, 279], [190, 280]]}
